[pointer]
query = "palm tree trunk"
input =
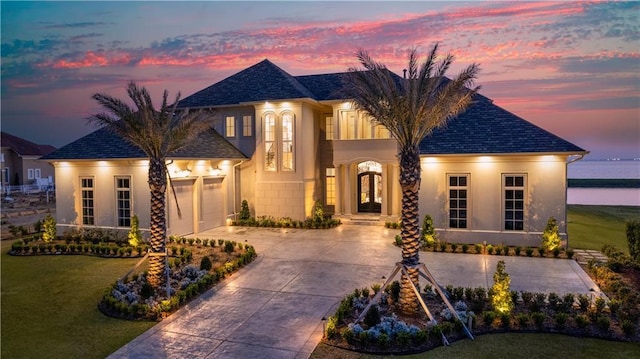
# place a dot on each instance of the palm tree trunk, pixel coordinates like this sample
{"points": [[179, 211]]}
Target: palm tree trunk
{"points": [[410, 184], [158, 222]]}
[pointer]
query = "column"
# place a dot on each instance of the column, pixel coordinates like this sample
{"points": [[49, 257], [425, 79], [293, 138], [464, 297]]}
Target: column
{"points": [[347, 190], [385, 190]]}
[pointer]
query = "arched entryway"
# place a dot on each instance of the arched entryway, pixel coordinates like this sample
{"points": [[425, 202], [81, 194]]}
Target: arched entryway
{"points": [[369, 187]]}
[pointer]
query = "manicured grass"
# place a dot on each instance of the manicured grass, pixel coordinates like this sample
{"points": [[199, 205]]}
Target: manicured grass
{"points": [[591, 227], [49, 307], [511, 346]]}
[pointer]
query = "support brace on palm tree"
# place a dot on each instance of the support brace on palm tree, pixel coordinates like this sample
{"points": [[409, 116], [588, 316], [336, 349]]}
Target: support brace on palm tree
{"points": [[424, 273]]}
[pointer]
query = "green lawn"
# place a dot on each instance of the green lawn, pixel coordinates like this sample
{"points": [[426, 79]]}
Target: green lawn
{"points": [[49, 307], [591, 227], [509, 346]]}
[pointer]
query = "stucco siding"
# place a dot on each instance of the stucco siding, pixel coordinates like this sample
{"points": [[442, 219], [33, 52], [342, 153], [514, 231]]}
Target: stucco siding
{"points": [[544, 191]]}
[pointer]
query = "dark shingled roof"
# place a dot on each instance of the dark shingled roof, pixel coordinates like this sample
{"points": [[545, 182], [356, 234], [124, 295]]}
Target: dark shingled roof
{"points": [[260, 82], [324, 86], [23, 147], [489, 129], [103, 144]]}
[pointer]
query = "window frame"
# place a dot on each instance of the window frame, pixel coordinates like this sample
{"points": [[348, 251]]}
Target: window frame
{"points": [[30, 174], [510, 205], [247, 126], [356, 125], [328, 128], [88, 211], [287, 138], [270, 131], [458, 188], [230, 126], [121, 220], [330, 186], [5, 175]]}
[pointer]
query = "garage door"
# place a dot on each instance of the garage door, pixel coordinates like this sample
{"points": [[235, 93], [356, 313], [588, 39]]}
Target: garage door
{"points": [[212, 204], [179, 226]]}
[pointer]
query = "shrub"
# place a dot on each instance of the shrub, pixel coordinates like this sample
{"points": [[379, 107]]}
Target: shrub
{"points": [[429, 236], [478, 248], [394, 291], [523, 320], [628, 328], [49, 227], [541, 251], [331, 329], [488, 317], [489, 249], [556, 252], [205, 263], [465, 248], [529, 252], [603, 323], [228, 247], [454, 247], [517, 250], [443, 246], [398, 239], [538, 319], [134, 236], [245, 214], [570, 253], [561, 320], [550, 237], [582, 321], [146, 291], [501, 300], [583, 302], [633, 238], [372, 318], [553, 300]]}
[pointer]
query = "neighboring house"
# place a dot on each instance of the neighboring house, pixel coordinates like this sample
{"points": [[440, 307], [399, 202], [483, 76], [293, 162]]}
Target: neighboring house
{"points": [[20, 162], [284, 142]]}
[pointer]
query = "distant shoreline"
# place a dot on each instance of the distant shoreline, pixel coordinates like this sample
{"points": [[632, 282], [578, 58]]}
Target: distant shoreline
{"points": [[603, 183]]}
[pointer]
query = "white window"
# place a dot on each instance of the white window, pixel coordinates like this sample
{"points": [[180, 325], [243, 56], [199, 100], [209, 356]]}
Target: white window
{"points": [[86, 187], [123, 201], [230, 126], [30, 174], [270, 142], [514, 200], [328, 121], [354, 125], [330, 186], [287, 141], [247, 128], [458, 201], [279, 144], [38, 173]]}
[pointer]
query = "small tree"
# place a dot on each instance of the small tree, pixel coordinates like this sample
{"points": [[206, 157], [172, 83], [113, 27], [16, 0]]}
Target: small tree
{"points": [[550, 237], [49, 228], [633, 239], [429, 236], [318, 212], [500, 293], [135, 237], [245, 214]]}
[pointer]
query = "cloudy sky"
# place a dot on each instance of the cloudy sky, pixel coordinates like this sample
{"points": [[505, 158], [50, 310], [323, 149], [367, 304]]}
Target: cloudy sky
{"points": [[572, 68]]}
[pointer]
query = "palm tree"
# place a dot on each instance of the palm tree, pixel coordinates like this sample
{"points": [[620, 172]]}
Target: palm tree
{"points": [[410, 109], [158, 133]]}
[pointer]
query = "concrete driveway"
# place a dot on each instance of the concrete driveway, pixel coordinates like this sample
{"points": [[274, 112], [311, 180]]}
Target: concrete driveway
{"points": [[273, 307]]}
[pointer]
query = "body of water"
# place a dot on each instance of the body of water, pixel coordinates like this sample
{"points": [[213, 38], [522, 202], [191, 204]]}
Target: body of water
{"points": [[604, 196]]}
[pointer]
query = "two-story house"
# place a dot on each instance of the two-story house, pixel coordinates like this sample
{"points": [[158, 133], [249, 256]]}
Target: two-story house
{"points": [[283, 142], [20, 162]]}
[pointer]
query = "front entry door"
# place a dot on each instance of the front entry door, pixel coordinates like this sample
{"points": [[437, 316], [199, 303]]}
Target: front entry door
{"points": [[370, 192]]}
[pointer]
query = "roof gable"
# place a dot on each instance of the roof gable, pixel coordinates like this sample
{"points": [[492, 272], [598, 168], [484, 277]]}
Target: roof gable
{"points": [[260, 82], [104, 144], [487, 128], [23, 147]]}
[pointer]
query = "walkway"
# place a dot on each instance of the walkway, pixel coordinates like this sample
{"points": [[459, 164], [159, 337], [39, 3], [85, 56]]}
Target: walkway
{"points": [[273, 307]]}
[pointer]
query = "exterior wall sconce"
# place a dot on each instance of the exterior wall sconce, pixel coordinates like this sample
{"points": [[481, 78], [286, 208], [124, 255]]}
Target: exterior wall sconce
{"points": [[216, 172]]}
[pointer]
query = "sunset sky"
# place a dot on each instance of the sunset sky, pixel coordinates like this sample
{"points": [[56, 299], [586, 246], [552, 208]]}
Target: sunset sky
{"points": [[572, 68]]}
